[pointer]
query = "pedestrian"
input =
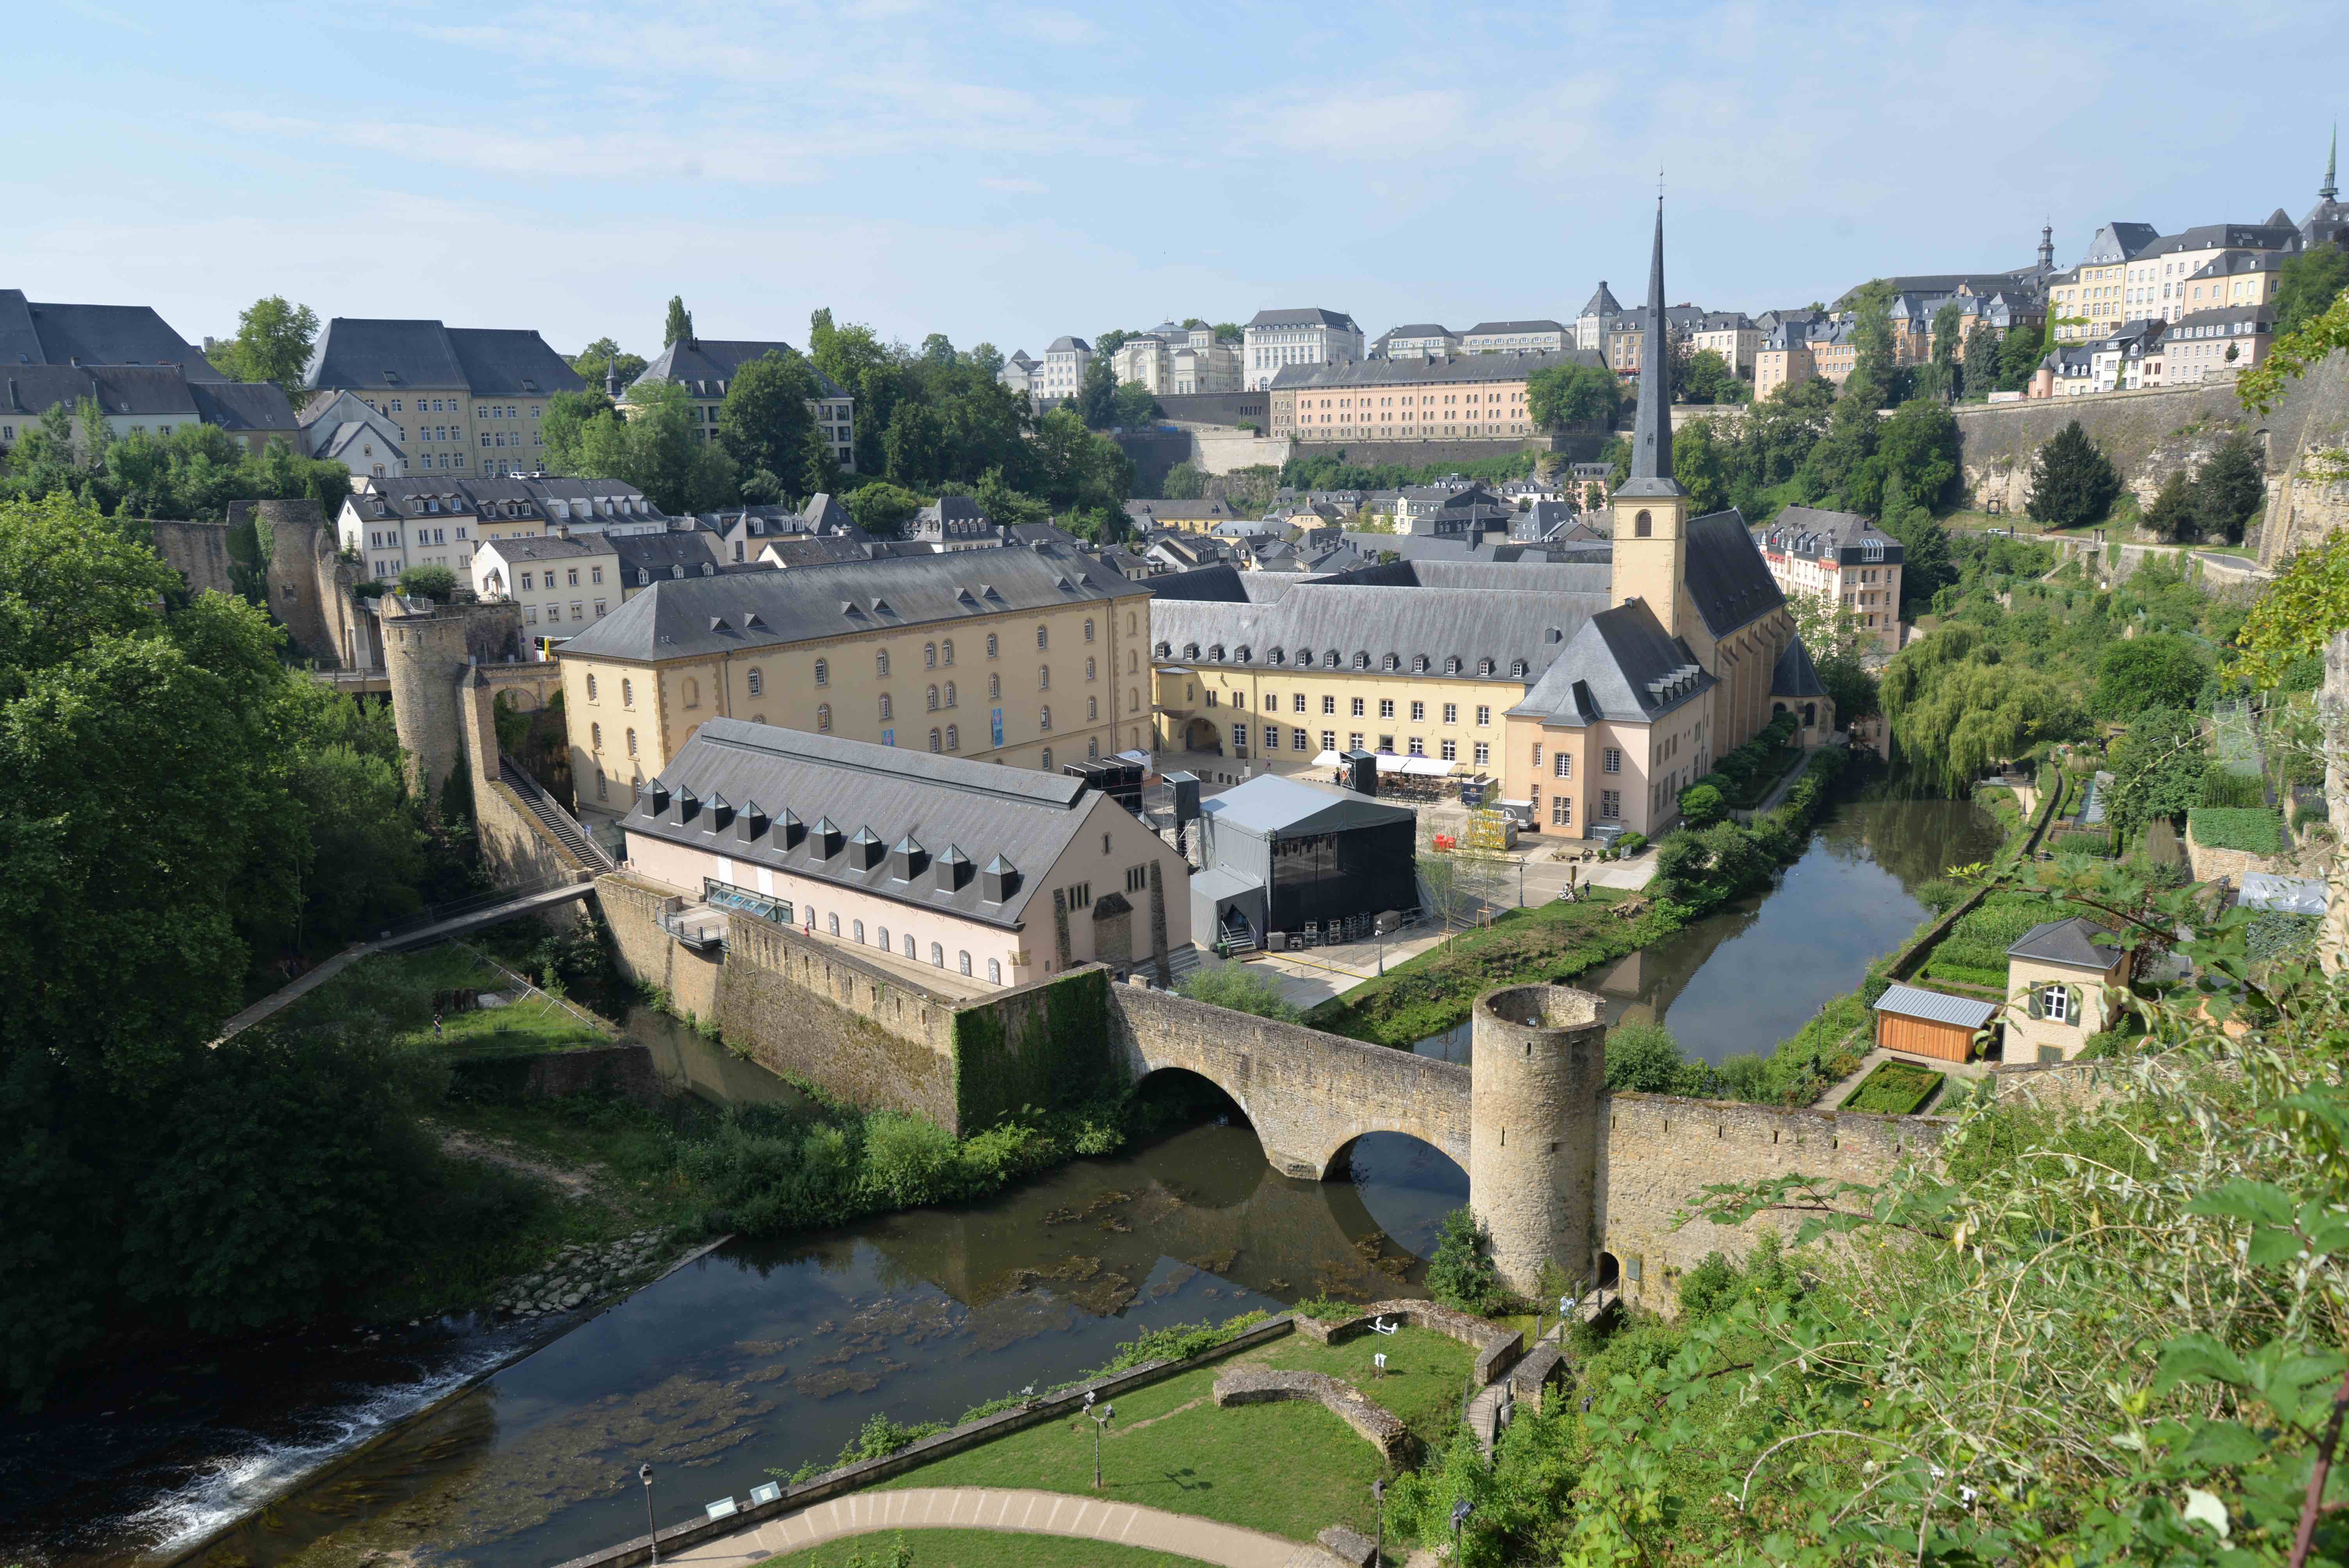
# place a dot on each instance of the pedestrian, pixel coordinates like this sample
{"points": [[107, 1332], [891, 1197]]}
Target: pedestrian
{"points": [[436, 1026]]}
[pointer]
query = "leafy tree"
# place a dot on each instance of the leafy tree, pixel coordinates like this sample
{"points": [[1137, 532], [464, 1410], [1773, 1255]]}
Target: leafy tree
{"points": [[1850, 686], [1706, 378], [937, 349], [1698, 462], [2309, 284], [764, 420], [2160, 670], [819, 466], [1946, 322], [1643, 1058], [1572, 393], [678, 328], [1978, 375], [2019, 354], [882, 509], [2157, 767], [2229, 490], [1919, 447], [1957, 706], [1229, 332], [1109, 342], [2174, 513], [603, 354], [1075, 468], [1241, 989], [1005, 505], [1461, 1273], [915, 446], [1185, 482], [987, 359], [435, 583], [655, 446], [1133, 406], [1096, 397], [1701, 806], [272, 343], [2072, 480]]}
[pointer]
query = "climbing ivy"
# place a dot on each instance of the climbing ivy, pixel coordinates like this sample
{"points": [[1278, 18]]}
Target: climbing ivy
{"points": [[1060, 1057]]}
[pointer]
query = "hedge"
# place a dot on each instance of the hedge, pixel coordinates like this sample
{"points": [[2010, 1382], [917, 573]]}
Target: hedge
{"points": [[1894, 1088], [2257, 830], [2081, 841]]}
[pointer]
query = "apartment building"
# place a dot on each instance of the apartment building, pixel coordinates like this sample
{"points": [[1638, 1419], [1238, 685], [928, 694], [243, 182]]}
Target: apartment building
{"points": [[1418, 340], [2128, 358], [2090, 299], [1516, 337], [1276, 340], [1598, 313], [1730, 334], [706, 366], [1171, 360], [145, 378], [392, 525], [2239, 278], [547, 574], [468, 401], [1479, 396], [2202, 343], [1045, 643], [1841, 559], [337, 427], [1062, 374], [2160, 278], [1783, 358]]}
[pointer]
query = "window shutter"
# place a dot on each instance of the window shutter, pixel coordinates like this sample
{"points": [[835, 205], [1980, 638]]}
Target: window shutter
{"points": [[2079, 1017], [2037, 1011]]}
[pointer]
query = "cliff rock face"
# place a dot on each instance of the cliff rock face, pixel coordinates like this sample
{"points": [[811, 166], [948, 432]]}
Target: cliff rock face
{"points": [[2152, 435]]}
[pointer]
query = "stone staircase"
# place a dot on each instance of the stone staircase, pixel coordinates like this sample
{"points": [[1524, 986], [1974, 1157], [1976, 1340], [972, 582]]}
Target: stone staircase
{"points": [[554, 817]]}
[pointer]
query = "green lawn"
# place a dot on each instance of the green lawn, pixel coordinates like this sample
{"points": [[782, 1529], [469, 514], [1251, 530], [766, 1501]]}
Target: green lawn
{"points": [[974, 1549], [1288, 1469], [1426, 1377], [1895, 1089], [400, 987]]}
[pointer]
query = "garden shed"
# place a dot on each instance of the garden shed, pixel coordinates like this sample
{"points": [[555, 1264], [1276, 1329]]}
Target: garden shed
{"points": [[1921, 1023]]}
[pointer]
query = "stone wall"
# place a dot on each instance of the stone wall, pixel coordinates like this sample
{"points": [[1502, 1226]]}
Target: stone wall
{"points": [[1227, 452], [625, 1070], [1577, 446], [197, 552], [1662, 1151], [2208, 863], [1153, 451], [309, 583], [515, 845], [1309, 1094], [647, 955]]}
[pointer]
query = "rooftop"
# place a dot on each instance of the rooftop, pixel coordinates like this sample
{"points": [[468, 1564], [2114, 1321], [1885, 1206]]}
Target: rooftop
{"points": [[42, 331], [2077, 943], [389, 355]]}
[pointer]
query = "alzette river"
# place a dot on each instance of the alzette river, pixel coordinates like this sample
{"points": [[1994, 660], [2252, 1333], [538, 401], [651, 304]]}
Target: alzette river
{"points": [[762, 1356]]}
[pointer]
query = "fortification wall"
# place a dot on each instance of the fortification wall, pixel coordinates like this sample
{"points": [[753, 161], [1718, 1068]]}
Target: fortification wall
{"points": [[514, 844], [1660, 1151], [197, 552], [1580, 447]]}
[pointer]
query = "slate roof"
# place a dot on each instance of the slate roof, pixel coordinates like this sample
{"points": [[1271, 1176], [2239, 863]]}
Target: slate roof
{"points": [[1935, 1007], [349, 434], [1065, 344], [986, 810], [1497, 328], [1489, 549], [1147, 511], [1796, 675], [2118, 242], [660, 554], [2076, 942], [243, 405], [1622, 666], [1441, 369], [2236, 262], [39, 332], [546, 547], [705, 365], [2214, 236], [1270, 807], [1418, 329], [389, 355], [1728, 580], [1601, 302], [1818, 535], [129, 389], [1310, 316], [768, 609], [1354, 620]]}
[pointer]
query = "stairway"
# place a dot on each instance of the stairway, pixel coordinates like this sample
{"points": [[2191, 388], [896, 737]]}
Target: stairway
{"points": [[555, 820]]}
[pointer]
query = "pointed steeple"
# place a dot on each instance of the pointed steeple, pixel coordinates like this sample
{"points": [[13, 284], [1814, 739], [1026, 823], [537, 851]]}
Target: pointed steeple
{"points": [[2331, 188], [1651, 432]]}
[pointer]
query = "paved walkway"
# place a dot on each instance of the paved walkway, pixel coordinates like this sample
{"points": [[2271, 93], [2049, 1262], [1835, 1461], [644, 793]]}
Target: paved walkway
{"points": [[1023, 1511]]}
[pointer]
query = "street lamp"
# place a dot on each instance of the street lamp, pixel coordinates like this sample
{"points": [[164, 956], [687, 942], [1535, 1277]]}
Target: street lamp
{"points": [[652, 1530], [1101, 1419], [1460, 1510], [1379, 1503]]}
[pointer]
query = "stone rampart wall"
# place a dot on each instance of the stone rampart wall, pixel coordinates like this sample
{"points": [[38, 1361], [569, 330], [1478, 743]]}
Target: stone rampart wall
{"points": [[1307, 1093], [197, 552], [1661, 1152], [2208, 863]]}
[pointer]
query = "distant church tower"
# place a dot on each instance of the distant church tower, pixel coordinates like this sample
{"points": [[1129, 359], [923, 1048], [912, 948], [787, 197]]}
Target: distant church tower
{"points": [[2046, 248], [1652, 509]]}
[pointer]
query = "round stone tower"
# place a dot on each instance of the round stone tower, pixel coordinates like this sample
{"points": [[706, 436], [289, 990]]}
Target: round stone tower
{"points": [[424, 655], [1538, 1066]]}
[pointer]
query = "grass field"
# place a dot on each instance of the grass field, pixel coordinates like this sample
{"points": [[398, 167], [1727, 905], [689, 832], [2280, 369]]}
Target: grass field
{"points": [[974, 1549], [1426, 1377], [1288, 1469], [401, 986]]}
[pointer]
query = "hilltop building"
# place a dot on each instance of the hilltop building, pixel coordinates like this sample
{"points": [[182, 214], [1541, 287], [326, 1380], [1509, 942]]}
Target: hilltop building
{"points": [[1275, 339], [145, 378], [706, 366], [467, 400]]}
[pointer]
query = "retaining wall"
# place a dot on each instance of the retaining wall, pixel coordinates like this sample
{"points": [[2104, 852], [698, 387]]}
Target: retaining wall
{"points": [[197, 552], [623, 1069]]}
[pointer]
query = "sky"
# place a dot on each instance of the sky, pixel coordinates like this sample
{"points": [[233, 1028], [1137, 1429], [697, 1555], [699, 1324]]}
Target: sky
{"points": [[1010, 172]]}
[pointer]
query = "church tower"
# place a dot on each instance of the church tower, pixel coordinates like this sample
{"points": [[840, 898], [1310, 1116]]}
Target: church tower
{"points": [[1650, 508]]}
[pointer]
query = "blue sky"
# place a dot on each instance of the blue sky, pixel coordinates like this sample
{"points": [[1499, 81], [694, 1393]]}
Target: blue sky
{"points": [[1010, 172]]}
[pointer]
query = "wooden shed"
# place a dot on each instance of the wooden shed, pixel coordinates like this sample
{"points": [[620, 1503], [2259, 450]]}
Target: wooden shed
{"points": [[1921, 1023]]}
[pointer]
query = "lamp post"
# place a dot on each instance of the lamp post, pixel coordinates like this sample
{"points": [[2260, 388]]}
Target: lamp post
{"points": [[1460, 1510], [1101, 1419], [1379, 1503], [652, 1530]]}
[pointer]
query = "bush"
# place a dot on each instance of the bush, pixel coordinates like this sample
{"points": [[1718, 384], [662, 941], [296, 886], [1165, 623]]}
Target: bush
{"points": [[2081, 841], [1461, 1273], [1630, 843], [436, 583], [2256, 830], [1701, 806], [1646, 1058], [1940, 896], [1240, 988]]}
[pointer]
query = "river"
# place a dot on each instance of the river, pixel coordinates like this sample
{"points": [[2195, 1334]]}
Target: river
{"points": [[769, 1356], [1749, 975]]}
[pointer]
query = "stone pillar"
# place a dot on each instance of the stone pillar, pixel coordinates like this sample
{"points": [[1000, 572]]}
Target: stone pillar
{"points": [[1158, 955], [424, 654], [1538, 1066]]}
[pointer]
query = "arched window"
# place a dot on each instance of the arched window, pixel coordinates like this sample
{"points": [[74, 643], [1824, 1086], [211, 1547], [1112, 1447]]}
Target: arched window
{"points": [[692, 692], [950, 694], [591, 688], [632, 743], [954, 738], [934, 699], [887, 711], [1643, 527], [824, 671], [757, 682], [929, 656], [994, 688], [1043, 677], [1133, 699], [909, 947], [990, 644], [1132, 661], [936, 740], [1048, 759], [824, 716], [595, 736], [963, 958], [628, 693], [938, 955], [1043, 636], [1093, 709], [995, 971], [1089, 666], [860, 931], [835, 924], [880, 664], [883, 934], [1129, 623], [1044, 717], [1089, 631], [949, 650]]}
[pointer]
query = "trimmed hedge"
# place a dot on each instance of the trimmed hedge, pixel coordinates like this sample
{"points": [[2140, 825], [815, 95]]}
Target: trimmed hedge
{"points": [[2257, 830], [1894, 1088]]}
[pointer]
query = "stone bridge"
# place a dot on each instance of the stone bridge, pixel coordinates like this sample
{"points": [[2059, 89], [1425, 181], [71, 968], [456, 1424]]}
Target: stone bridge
{"points": [[1307, 1094]]}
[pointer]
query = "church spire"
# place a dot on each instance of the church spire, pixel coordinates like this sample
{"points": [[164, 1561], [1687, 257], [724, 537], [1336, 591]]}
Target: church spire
{"points": [[1652, 432], [2331, 189]]}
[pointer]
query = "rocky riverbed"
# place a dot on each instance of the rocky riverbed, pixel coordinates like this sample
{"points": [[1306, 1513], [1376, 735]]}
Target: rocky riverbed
{"points": [[580, 1275]]}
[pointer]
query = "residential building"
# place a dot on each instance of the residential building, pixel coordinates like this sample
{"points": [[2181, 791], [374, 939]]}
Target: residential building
{"points": [[2206, 343], [1171, 360], [706, 367], [468, 401], [738, 535], [2067, 371], [1146, 515], [394, 524], [649, 558], [2091, 300], [1783, 358], [2064, 977], [1453, 511], [2126, 358], [955, 874], [1062, 375], [1843, 560], [1624, 344], [1732, 335], [2160, 277], [1276, 340], [1046, 644], [952, 522], [1475, 396], [546, 575], [1598, 313], [1516, 337], [145, 377], [1020, 374], [2237, 278], [338, 426], [1419, 340]]}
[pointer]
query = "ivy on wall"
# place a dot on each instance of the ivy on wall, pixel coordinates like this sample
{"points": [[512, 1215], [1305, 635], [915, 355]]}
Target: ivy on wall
{"points": [[1056, 1052]]}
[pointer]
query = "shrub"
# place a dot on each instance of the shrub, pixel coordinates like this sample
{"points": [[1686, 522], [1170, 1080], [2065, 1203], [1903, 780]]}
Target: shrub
{"points": [[1630, 843], [1461, 1273], [429, 582], [2081, 841], [1701, 806], [1940, 896], [2256, 830], [1645, 1057], [1240, 988]]}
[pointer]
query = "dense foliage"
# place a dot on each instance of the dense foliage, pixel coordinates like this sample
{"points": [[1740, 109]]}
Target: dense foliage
{"points": [[2072, 480], [192, 473]]}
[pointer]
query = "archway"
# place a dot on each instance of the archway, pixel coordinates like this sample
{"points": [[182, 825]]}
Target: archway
{"points": [[1390, 1192], [1610, 1272], [1200, 734]]}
